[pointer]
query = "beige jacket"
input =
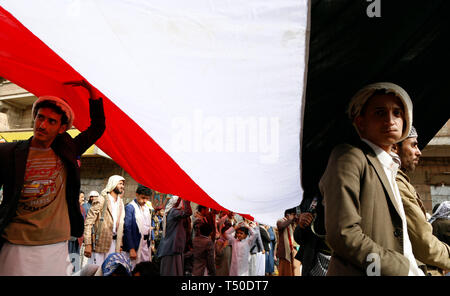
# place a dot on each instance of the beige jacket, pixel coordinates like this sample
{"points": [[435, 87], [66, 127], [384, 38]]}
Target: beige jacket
{"points": [[426, 247], [361, 215], [106, 233]]}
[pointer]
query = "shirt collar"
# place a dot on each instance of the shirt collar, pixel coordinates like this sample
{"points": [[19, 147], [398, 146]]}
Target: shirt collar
{"points": [[388, 160]]}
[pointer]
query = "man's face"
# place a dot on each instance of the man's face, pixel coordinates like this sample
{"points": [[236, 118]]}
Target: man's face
{"points": [[120, 188], [47, 125], [81, 198], [142, 199], [409, 154], [382, 121]]}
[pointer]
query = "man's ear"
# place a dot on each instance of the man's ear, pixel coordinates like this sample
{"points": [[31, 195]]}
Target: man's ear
{"points": [[62, 128], [358, 121]]}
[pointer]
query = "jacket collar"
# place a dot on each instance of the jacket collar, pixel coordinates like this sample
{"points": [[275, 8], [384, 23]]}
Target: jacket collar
{"points": [[20, 156], [373, 160]]}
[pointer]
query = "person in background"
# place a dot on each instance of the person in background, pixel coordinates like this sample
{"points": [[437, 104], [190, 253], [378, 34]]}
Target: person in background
{"points": [[146, 269], [223, 252], [88, 204], [173, 243], [203, 252], [310, 234], [426, 247], [103, 227], [440, 220], [256, 265], [137, 227], [269, 241], [285, 249], [115, 264], [242, 238]]}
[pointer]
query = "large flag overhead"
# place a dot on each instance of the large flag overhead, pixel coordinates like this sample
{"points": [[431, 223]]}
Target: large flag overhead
{"points": [[203, 98]]}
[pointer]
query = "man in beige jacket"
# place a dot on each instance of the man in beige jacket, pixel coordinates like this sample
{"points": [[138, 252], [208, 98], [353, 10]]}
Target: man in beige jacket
{"points": [[364, 217], [103, 227], [426, 247]]}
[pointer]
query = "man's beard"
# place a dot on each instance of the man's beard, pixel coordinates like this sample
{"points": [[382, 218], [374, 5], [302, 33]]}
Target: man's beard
{"points": [[117, 191]]}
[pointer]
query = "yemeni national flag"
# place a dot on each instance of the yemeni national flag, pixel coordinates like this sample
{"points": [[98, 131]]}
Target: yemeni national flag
{"points": [[203, 98]]}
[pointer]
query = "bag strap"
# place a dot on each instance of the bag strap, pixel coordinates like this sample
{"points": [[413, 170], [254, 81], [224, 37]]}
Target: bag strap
{"points": [[97, 234]]}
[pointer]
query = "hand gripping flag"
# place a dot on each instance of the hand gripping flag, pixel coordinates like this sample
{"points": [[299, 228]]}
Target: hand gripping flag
{"points": [[203, 99]]}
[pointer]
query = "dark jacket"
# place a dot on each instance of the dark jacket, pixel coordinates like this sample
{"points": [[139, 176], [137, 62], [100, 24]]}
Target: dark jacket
{"points": [[13, 159], [257, 244], [309, 242], [265, 238], [175, 240], [131, 234]]}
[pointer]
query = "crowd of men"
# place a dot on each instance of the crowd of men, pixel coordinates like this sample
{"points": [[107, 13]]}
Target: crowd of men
{"points": [[365, 218]]}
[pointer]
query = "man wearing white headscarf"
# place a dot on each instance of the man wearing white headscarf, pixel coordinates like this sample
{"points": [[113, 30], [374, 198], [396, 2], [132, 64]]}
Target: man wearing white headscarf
{"points": [[426, 247], [441, 222], [175, 233], [103, 227], [364, 216]]}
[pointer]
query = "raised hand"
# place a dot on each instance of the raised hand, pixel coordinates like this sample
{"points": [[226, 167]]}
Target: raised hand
{"points": [[84, 84]]}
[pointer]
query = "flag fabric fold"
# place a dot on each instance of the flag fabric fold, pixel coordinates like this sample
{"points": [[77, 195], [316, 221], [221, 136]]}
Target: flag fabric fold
{"points": [[202, 99]]}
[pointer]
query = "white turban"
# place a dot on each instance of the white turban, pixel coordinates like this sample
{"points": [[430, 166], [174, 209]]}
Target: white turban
{"points": [[360, 98], [170, 204], [112, 183]]}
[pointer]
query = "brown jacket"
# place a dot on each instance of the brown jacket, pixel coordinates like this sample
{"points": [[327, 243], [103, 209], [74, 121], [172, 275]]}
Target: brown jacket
{"points": [[426, 247], [361, 216], [106, 234]]}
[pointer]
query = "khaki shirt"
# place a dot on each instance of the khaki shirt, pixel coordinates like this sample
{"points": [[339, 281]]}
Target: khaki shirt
{"points": [[426, 247]]}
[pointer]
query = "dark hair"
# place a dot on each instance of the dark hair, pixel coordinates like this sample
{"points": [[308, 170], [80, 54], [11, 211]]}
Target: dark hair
{"points": [[146, 268], [81, 191], [141, 189], [54, 107], [205, 229], [290, 211], [225, 227], [243, 229], [120, 271], [200, 208]]}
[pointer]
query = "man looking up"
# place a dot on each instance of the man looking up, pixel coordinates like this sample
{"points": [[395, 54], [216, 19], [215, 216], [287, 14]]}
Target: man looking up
{"points": [[364, 217], [41, 182], [426, 247]]}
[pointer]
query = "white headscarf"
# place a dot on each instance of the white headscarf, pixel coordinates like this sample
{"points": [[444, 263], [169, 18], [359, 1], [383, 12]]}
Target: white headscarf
{"points": [[112, 183], [169, 206], [442, 212], [360, 98]]}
